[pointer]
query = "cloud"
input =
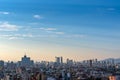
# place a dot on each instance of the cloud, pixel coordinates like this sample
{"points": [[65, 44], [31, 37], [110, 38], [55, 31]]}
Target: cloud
{"points": [[48, 29], [23, 35], [59, 33], [38, 17], [5, 36], [5, 13], [14, 38], [52, 30], [76, 36], [9, 36], [28, 35], [5, 26]]}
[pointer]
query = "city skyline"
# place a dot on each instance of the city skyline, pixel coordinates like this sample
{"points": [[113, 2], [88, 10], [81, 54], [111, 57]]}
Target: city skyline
{"points": [[75, 29]]}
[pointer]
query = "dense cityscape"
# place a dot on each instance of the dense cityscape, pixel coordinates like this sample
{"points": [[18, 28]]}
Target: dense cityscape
{"points": [[92, 69], [64, 39]]}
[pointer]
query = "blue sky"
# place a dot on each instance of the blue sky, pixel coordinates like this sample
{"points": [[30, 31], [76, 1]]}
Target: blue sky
{"points": [[78, 29]]}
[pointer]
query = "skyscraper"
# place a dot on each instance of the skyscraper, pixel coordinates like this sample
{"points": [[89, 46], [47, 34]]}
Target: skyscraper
{"points": [[26, 61]]}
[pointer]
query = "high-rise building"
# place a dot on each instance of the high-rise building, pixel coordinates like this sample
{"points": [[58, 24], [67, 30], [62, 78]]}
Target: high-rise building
{"points": [[26, 61], [1, 63], [62, 60], [11, 65], [59, 60], [69, 61], [91, 63]]}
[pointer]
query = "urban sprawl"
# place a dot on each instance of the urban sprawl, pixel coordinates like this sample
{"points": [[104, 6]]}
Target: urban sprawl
{"points": [[27, 69]]}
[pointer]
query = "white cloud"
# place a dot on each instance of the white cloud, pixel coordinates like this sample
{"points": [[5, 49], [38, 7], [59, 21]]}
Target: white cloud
{"points": [[48, 29], [12, 38], [27, 35], [3, 12], [5, 26], [23, 35], [60, 33], [38, 17], [34, 23], [16, 36], [52, 30], [5, 35], [76, 36]]}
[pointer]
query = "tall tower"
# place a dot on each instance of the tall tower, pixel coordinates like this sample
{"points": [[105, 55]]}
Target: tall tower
{"points": [[91, 62], [58, 60], [26, 61], [61, 60]]}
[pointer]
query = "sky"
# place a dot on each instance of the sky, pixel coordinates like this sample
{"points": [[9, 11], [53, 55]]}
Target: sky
{"points": [[75, 29]]}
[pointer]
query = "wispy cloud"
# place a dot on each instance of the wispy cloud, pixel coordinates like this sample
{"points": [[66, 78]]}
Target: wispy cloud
{"points": [[4, 12], [61, 33], [37, 16], [23, 35], [52, 30], [48, 29], [26, 36], [5, 35], [5, 26], [14, 38], [76, 36]]}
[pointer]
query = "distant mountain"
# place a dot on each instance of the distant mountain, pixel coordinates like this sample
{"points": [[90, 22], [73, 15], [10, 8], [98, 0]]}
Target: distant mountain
{"points": [[116, 60]]}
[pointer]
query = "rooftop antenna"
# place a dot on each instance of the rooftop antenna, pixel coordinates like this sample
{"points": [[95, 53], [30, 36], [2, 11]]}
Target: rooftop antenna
{"points": [[25, 54]]}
